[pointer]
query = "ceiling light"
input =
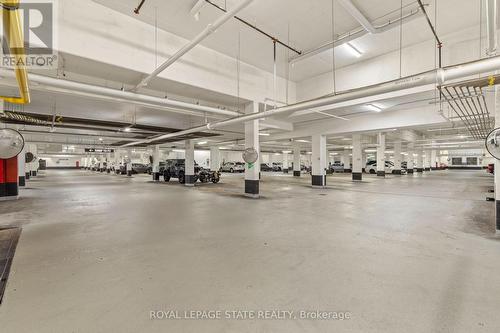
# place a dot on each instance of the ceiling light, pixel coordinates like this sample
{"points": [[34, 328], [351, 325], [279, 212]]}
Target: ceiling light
{"points": [[353, 50], [202, 142], [178, 150], [127, 129], [373, 107], [370, 150], [304, 141], [100, 139], [264, 134], [286, 152]]}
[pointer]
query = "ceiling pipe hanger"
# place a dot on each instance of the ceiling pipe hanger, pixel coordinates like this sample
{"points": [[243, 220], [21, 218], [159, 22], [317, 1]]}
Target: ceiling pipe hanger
{"points": [[210, 29]]}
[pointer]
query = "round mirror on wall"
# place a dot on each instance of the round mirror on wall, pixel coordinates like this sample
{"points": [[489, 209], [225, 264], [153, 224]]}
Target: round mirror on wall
{"points": [[11, 143], [493, 143]]}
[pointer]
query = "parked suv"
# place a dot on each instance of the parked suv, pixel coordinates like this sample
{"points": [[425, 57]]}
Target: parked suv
{"points": [[233, 167], [176, 168]]}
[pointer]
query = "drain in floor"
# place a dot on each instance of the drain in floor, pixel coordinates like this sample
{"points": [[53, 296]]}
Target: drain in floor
{"points": [[8, 243]]}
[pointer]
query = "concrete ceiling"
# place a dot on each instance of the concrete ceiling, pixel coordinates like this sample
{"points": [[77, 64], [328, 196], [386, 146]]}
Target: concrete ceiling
{"points": [[305, 25]]}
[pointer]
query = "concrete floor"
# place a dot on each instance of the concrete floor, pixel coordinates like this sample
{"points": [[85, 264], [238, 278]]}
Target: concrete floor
{"points": [[403, 254]]}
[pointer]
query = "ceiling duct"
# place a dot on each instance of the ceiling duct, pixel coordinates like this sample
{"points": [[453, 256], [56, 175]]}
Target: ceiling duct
{"points": [[437, 76]]}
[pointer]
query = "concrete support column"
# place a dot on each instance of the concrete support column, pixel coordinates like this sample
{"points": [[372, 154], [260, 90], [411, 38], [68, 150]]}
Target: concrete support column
{"points": [[189, 163], [427, 160], [21, 167], [285, 162], [363, 158], [102, 159], [108, 163], [128, 165], [409, 163], [155, 167], [34, 164], [296, 161], [397, 157], [347, 160], [433, 160], [420, 161], [252, 171], [318, 161], [381, 155], [357, 158], [214, 159]]}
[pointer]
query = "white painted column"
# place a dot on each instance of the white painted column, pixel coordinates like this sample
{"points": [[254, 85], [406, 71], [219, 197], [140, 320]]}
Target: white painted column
{"points": [[285, 162], [34, 164], [102, 159], [497, 165], [189, 163], [252, 171], [381, 155], [397, 157], [427, 160], [347, 160], [214, 158], [433, 159], [296, 160], [357, 158], [128, 165], [420, 161], [108, 163], [21, 167], [409, 164], [318, 161], [155, 167]]}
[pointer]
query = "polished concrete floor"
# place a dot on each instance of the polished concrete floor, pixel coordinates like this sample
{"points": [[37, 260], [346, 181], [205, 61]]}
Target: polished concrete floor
{"points": [[403, 254]]}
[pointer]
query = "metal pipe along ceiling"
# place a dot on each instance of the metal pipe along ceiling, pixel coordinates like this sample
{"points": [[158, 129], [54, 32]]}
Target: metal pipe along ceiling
{"points": [[437, 76], [15, 39], [211, 28], [45, 83]]}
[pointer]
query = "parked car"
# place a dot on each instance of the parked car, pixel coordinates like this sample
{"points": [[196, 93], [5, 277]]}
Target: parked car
{"points": [[337, 167], [371, 167], [277, 166], [233, 167], [265, 167], [162, 167], [491, 168], [176, 168], [139, 168]]}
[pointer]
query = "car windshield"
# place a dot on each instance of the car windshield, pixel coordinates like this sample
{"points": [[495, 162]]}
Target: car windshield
{"points": [[240, 163]]}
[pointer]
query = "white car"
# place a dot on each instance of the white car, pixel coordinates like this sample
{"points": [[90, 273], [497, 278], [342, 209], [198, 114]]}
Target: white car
{"points": [[233, 167], [371, 167]]}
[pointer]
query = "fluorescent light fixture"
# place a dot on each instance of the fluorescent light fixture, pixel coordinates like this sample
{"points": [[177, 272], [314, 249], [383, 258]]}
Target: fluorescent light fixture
{"points": [[353, 50], [178, 150], [309, 153], [370, 150], [346, 139], [286, 151], [127, 129], [224, 148], [303, 141], [264, 134], [373, 107], [202, 142], [277, 154], [100, 139]]}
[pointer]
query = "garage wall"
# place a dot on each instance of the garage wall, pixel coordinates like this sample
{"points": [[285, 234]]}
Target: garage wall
{"points": [[61, 161]]}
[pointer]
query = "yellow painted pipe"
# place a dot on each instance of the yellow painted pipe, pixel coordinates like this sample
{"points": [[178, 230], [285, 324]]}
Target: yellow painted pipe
{"points": [[14, 34]]}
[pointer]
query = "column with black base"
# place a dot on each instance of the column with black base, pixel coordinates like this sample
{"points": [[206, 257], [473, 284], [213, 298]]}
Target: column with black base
{"points": [[285, 161], [214, 159], [381, 155], [434, 165], [128, 165], [155, 167], [420, 161], [410, 158], [318, 161], [296, 160], [357, 158], [21, 167], [189, 175], [397, 157], [252, 171]]}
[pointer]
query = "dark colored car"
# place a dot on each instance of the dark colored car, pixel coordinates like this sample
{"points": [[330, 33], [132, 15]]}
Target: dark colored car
{"points": [[139, 168], [277, 166], [265, 167], [176, 168], [161, 169]]}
